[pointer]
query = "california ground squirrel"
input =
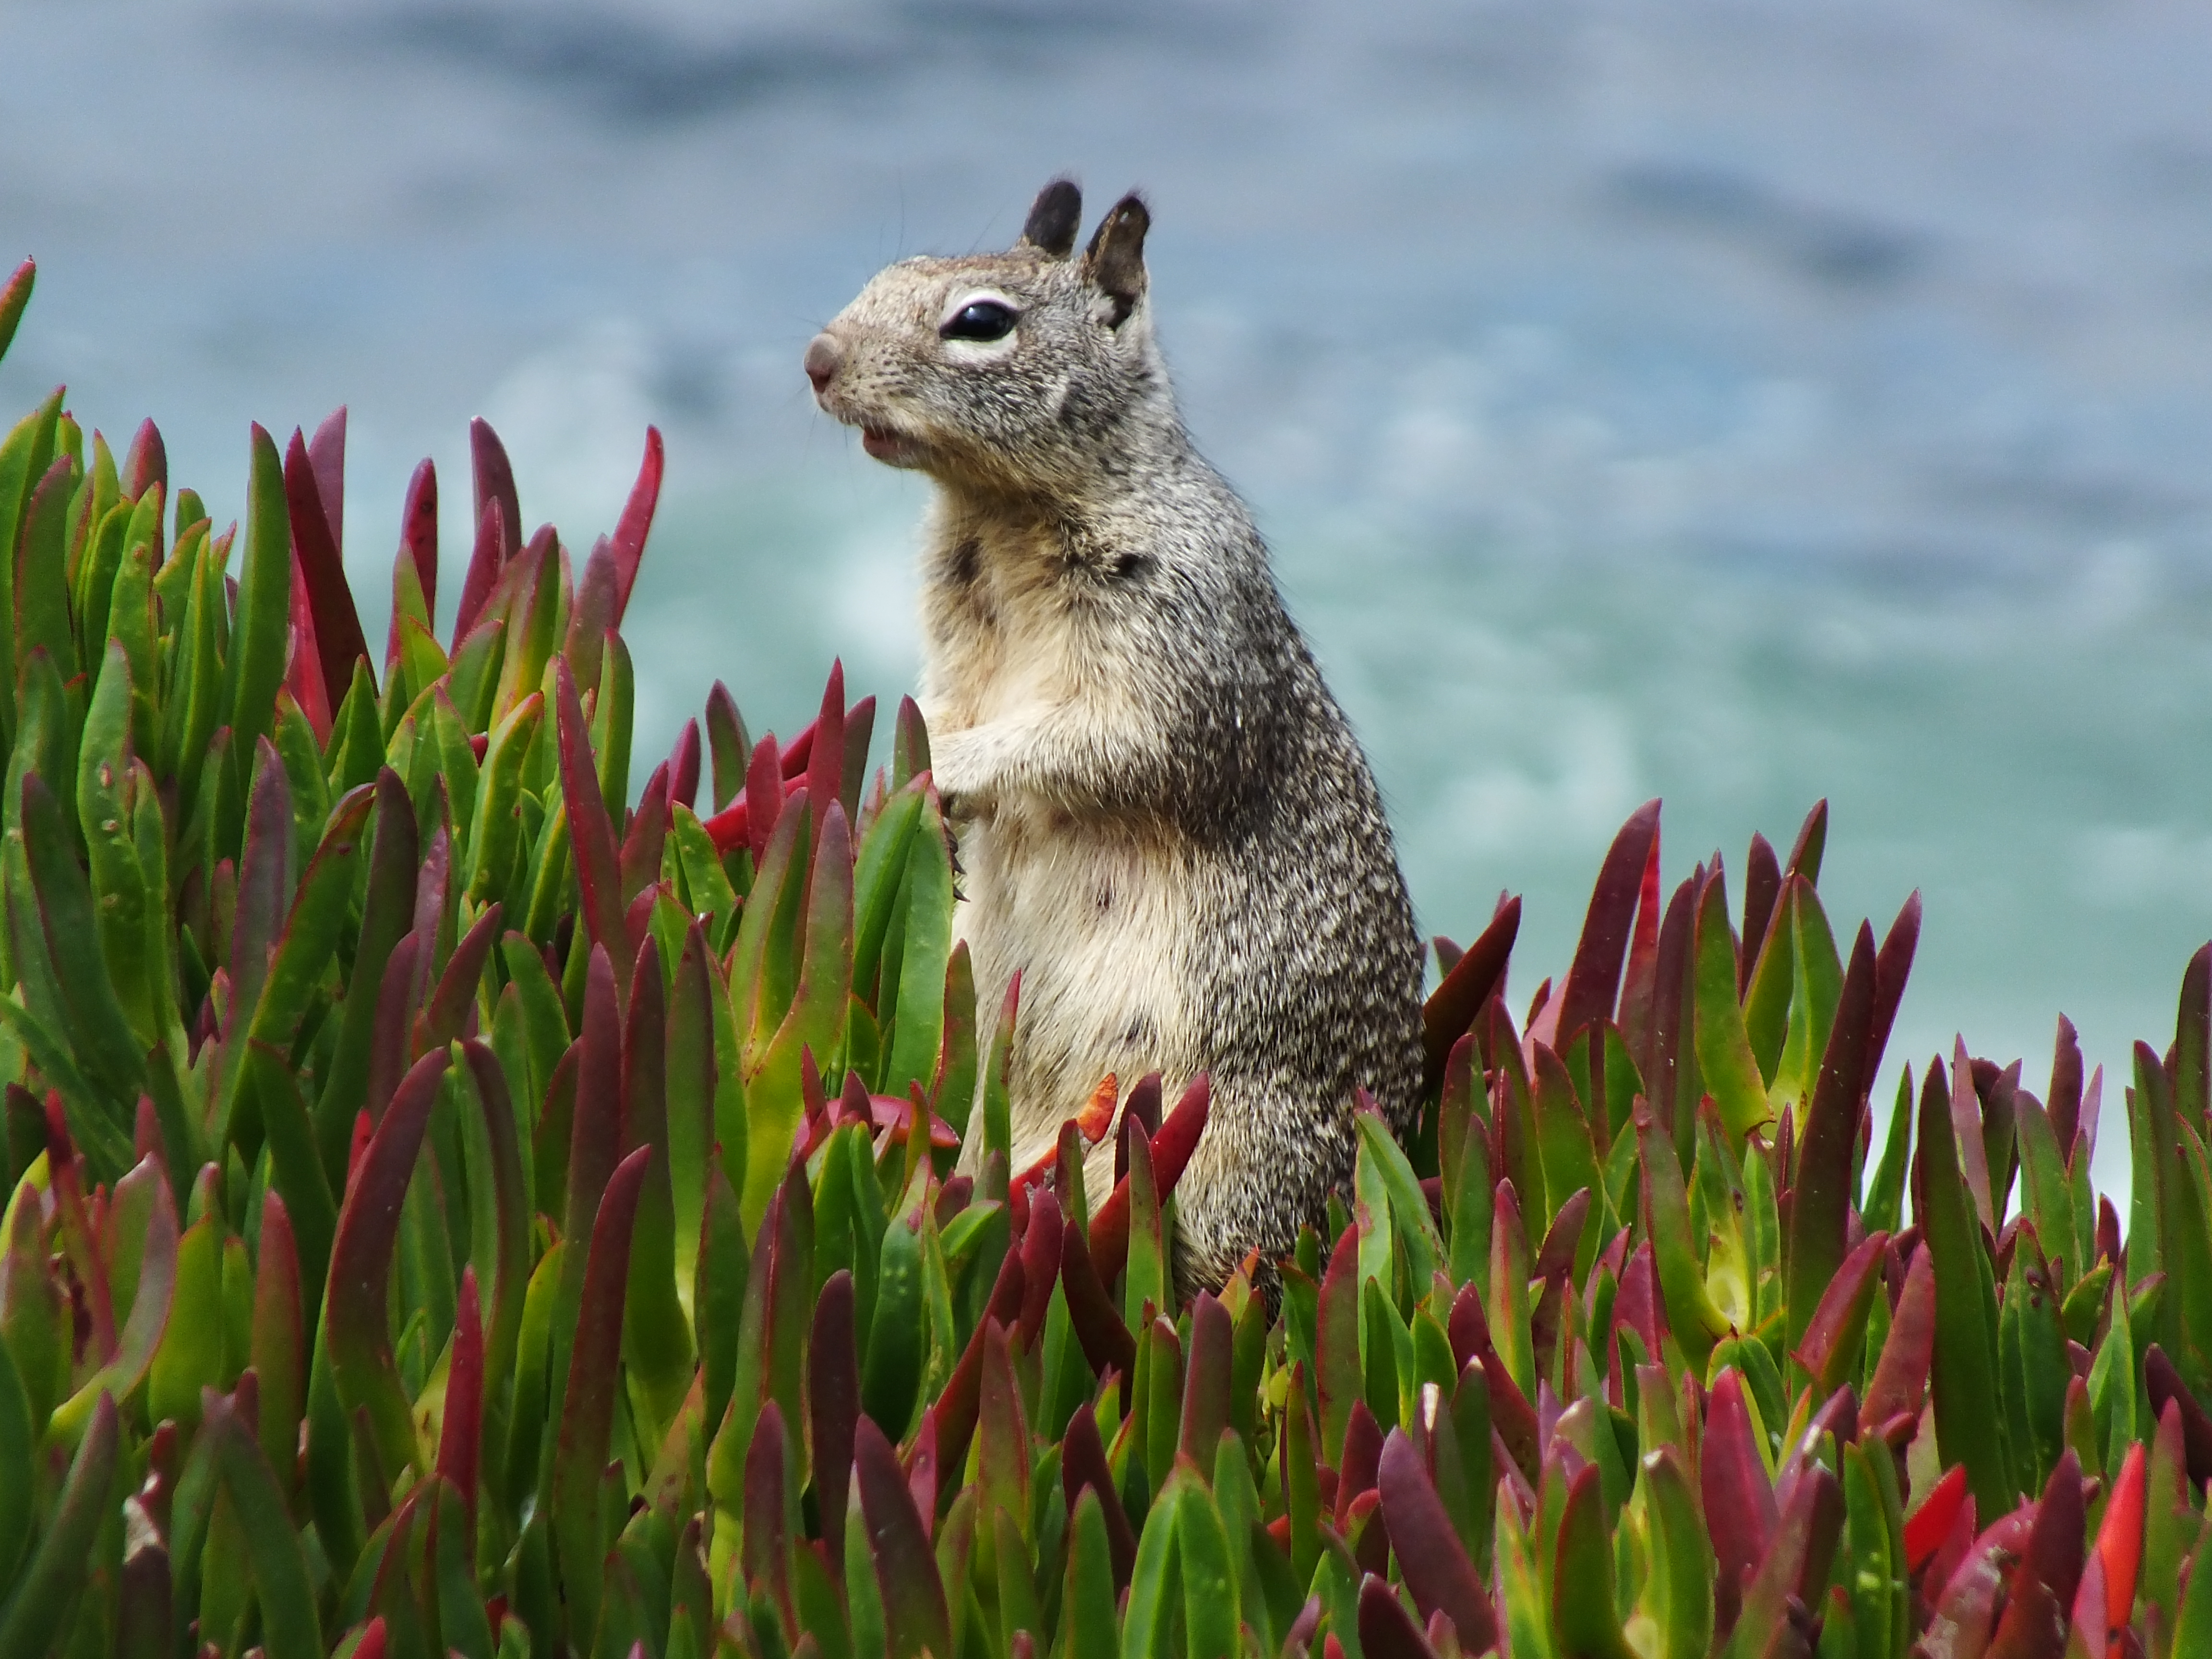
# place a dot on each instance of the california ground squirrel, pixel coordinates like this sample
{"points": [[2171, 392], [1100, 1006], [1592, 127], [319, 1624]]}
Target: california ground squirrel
{"points": [[1165, 824]]}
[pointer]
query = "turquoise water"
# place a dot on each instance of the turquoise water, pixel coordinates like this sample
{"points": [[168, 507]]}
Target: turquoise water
{"points": [[1736, 402]]}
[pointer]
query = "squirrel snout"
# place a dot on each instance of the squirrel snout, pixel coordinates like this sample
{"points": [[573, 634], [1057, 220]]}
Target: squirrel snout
{"points": [[824, 357]]}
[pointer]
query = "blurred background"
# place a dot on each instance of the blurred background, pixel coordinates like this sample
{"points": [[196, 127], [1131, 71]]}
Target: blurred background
{"points": [[1736, 402]]}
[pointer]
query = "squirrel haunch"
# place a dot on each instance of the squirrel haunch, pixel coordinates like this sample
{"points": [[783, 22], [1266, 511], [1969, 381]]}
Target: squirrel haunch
{"points": [[1166, 826]]}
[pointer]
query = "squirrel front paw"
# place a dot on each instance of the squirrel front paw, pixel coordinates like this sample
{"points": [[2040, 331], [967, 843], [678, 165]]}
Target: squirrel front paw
{"points": [[958, 767]]}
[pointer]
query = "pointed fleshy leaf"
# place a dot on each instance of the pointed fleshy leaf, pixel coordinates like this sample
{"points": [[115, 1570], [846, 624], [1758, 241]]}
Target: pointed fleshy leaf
{"points": [[1830, 1349], [1900, 1379], [461, 1433], [1739, 1498], [1475, 978], [141, 1335], [1170, 1151], [1965, 1357], [259, 638], [1385, 1629], [913, 1595], [599, 867], [1725, 1060], [833, 1401], [46, 1595], [279, 1348], [1582, 1577], [13, 297], [2041, 1601], [355, 1333], [316, 527], [1435, 1566], [1822, 1189], [588, 1405], [637, 518], [1678, 1594], [1593, 982], [283, 1589], [1796, 1565]]}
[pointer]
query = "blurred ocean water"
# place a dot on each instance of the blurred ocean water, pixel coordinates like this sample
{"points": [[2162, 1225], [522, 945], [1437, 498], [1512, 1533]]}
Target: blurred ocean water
{"points": [[1736, 402]]}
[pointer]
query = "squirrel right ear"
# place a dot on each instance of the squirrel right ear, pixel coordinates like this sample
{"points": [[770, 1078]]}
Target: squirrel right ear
{"points": [[1053, 218], [1114, 261]]}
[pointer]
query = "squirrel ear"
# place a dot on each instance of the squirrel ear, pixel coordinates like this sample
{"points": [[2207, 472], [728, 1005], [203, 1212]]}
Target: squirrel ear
{"points": [[1055, 217], [1114, 261]]}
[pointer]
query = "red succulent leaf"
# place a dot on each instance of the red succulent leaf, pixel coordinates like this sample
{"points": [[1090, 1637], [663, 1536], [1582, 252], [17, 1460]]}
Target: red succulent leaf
{"points": [[913, 1593], [825, 764], [1106, 1341], [485, 562], [1091, 1123], [1797, 1562], [1361, 1462], [684, 766], [2120, 1542], [637, 519], [833, 1405], [1478, 975], [303, 674], [1171, 1149], [495, 484], [1927, 1527], [1512, 1418], [461, 1436], [2044, 1586], [954, 1413], [1435, 1566], [1891, 968], [1593, 986], [1206, 1386], [599, 868], [1469, 1327], [453, 1001], [146, 463], [1762, 889], [1387, 1630], [1740, 1508], [1337, 1374], [594, 1376], [1637, 1307], [765, 1545], [315, 492], [1042, 1237], [357, 1330], [1820, 1206], [751, 817], [1083, 1464], [1899, 1386], [1832, 1341], [2164, 1383], [418, 538]]}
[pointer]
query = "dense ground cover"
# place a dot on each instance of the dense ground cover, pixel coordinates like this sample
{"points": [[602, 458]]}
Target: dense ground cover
{"points": [[454, 1211]]}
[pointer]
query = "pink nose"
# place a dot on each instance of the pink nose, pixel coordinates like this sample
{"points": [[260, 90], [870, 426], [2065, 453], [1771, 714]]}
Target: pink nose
{"points": [[823, 359]]}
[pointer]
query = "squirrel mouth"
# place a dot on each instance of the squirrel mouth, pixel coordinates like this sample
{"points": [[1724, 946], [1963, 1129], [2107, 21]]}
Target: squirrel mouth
{"points": [[892, 448]]}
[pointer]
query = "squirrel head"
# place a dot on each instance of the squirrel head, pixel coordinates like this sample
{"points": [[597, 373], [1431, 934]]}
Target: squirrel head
{"points": [[1015, 371]]}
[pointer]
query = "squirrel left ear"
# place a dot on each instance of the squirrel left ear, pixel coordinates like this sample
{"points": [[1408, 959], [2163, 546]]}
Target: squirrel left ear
{"points": [[1055, 218], [1114, 261]]}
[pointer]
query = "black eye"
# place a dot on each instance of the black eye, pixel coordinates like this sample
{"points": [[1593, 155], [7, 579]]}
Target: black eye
{"points": [[986, 320]]}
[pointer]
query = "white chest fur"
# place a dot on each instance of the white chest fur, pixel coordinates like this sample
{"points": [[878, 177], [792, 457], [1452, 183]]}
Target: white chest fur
{"points": [[1093, 919], [1031, 707]]}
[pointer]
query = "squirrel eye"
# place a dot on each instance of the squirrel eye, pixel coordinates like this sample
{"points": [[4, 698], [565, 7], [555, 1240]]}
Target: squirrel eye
{"points": [[986, 320]]}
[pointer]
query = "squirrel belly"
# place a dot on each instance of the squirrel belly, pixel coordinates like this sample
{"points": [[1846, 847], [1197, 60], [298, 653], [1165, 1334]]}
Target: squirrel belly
{"points": [[1166, 827]]}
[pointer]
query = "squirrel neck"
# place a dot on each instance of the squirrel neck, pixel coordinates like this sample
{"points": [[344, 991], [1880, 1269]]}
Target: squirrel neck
{"points": [[1142, 468]]}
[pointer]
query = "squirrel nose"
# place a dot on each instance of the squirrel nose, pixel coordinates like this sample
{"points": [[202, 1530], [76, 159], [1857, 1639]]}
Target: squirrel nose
{"points": [[823, 360]]}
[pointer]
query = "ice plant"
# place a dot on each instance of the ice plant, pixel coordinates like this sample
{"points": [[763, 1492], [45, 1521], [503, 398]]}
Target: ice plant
{"points": [[454, 1210]]}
